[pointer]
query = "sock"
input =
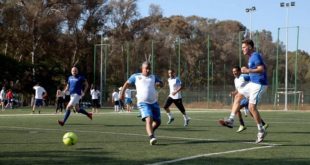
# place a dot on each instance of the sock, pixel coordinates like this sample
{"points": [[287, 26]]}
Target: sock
{"points": [[67, 114], [263, 123], [260, 127], [169, 115], [185, 117], [232, 116], [82, 111], [241, 122], [152, 136]]}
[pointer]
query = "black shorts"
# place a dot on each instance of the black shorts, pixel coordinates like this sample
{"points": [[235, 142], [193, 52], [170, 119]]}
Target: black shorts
{"points": [[95, 103], [178, 103]]}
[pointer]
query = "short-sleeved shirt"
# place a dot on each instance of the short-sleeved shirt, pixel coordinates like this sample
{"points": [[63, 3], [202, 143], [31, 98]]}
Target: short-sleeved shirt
{"points": [[256, 60], [2, 94], [145, 86], [94, 94], [39, 92], [241, 81], [174, 84], [115, 96], [76, 84], [127, 93]]}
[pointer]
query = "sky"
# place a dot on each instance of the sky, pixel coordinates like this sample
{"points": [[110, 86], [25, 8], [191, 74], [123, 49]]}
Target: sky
{"points": [[267, 16]]}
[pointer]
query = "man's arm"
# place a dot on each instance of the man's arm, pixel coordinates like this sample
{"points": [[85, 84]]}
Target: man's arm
{"points": [[85, 87], [259, 69], [122, 92]]}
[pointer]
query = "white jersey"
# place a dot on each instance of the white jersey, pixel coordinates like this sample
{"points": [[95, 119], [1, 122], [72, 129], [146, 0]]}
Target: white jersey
{"points": [[127, 93], [2, 94], [115, 96], [145, 86], [39, 92], [241, 81], [174, 84], [94, 94]]}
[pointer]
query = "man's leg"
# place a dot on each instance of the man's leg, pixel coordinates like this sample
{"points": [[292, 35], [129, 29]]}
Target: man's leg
{"points": [[178, 103], [236, 107], [169, 101]]}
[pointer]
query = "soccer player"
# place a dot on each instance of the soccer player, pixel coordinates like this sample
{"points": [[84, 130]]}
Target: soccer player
{"points": [[2, 98], [40, 92], [115, 100], [253, 90], [175, 87], [240, 81], [75, 86], [145, 83], [60, 99], [128, 100], [95, 94]]}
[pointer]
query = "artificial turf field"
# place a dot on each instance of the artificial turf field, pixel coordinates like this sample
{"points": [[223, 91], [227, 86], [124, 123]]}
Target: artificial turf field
{"points": [[120, 138]]}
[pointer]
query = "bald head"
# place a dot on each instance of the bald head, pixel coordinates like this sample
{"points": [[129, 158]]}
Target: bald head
{"points": [[74, 71], [146, 68]]}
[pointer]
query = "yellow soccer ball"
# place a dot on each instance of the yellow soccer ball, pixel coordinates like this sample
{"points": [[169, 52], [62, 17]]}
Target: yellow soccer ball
{"points": [[69, 139]]}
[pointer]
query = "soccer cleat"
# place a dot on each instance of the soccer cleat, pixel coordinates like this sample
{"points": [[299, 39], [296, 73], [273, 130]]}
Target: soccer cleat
{"points": [[186, 122], [241, 128], [260, 136], [153, 141], [170, 120], [227, 123], [90, 116], [61, 123], [266, 126]]}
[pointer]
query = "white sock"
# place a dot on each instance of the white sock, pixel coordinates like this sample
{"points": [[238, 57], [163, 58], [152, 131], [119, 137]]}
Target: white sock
{"points": [[260, 127], [170, 115], [232, 116], [185, 117]]}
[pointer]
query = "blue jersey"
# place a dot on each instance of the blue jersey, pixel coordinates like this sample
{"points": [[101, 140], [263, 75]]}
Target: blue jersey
{"points": [[254, 61], [76, 84]]}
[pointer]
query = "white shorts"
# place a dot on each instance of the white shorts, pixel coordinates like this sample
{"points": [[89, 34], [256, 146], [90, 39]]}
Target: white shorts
{"points": [[253, 92], [74, 99]]}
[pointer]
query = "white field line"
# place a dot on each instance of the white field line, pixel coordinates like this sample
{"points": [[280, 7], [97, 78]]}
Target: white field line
{"points": [[210, 154], [129, 134], [165, 137]]}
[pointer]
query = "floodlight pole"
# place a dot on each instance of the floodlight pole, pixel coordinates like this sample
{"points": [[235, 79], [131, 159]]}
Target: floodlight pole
{"points": [[287, 5], [250, 10], [103, 59]]}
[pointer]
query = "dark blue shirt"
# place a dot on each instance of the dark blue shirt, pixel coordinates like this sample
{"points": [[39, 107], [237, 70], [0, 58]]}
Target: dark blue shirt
{"points": [[76, 84]]}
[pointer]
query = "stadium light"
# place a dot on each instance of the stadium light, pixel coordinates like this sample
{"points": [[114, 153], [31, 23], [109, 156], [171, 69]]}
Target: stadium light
{"points": [[250, 10], [103, 71], [287, 6]]}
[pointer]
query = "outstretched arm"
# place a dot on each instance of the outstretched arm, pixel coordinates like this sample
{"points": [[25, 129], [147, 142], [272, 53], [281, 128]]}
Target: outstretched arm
{"points": [[122, 93]]}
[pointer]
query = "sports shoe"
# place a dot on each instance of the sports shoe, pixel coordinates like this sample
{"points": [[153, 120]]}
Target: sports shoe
{"points": [[227, 123], [260, 136], [186, 122], [241, 128], [61, 123], [170, 120], [90, 116], [153, 141], [266, 126]]}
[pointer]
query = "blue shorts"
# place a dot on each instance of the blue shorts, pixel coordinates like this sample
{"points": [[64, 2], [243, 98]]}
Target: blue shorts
{"points": [[39, 102], [149, 110], [244, 102], [128, 100]]}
